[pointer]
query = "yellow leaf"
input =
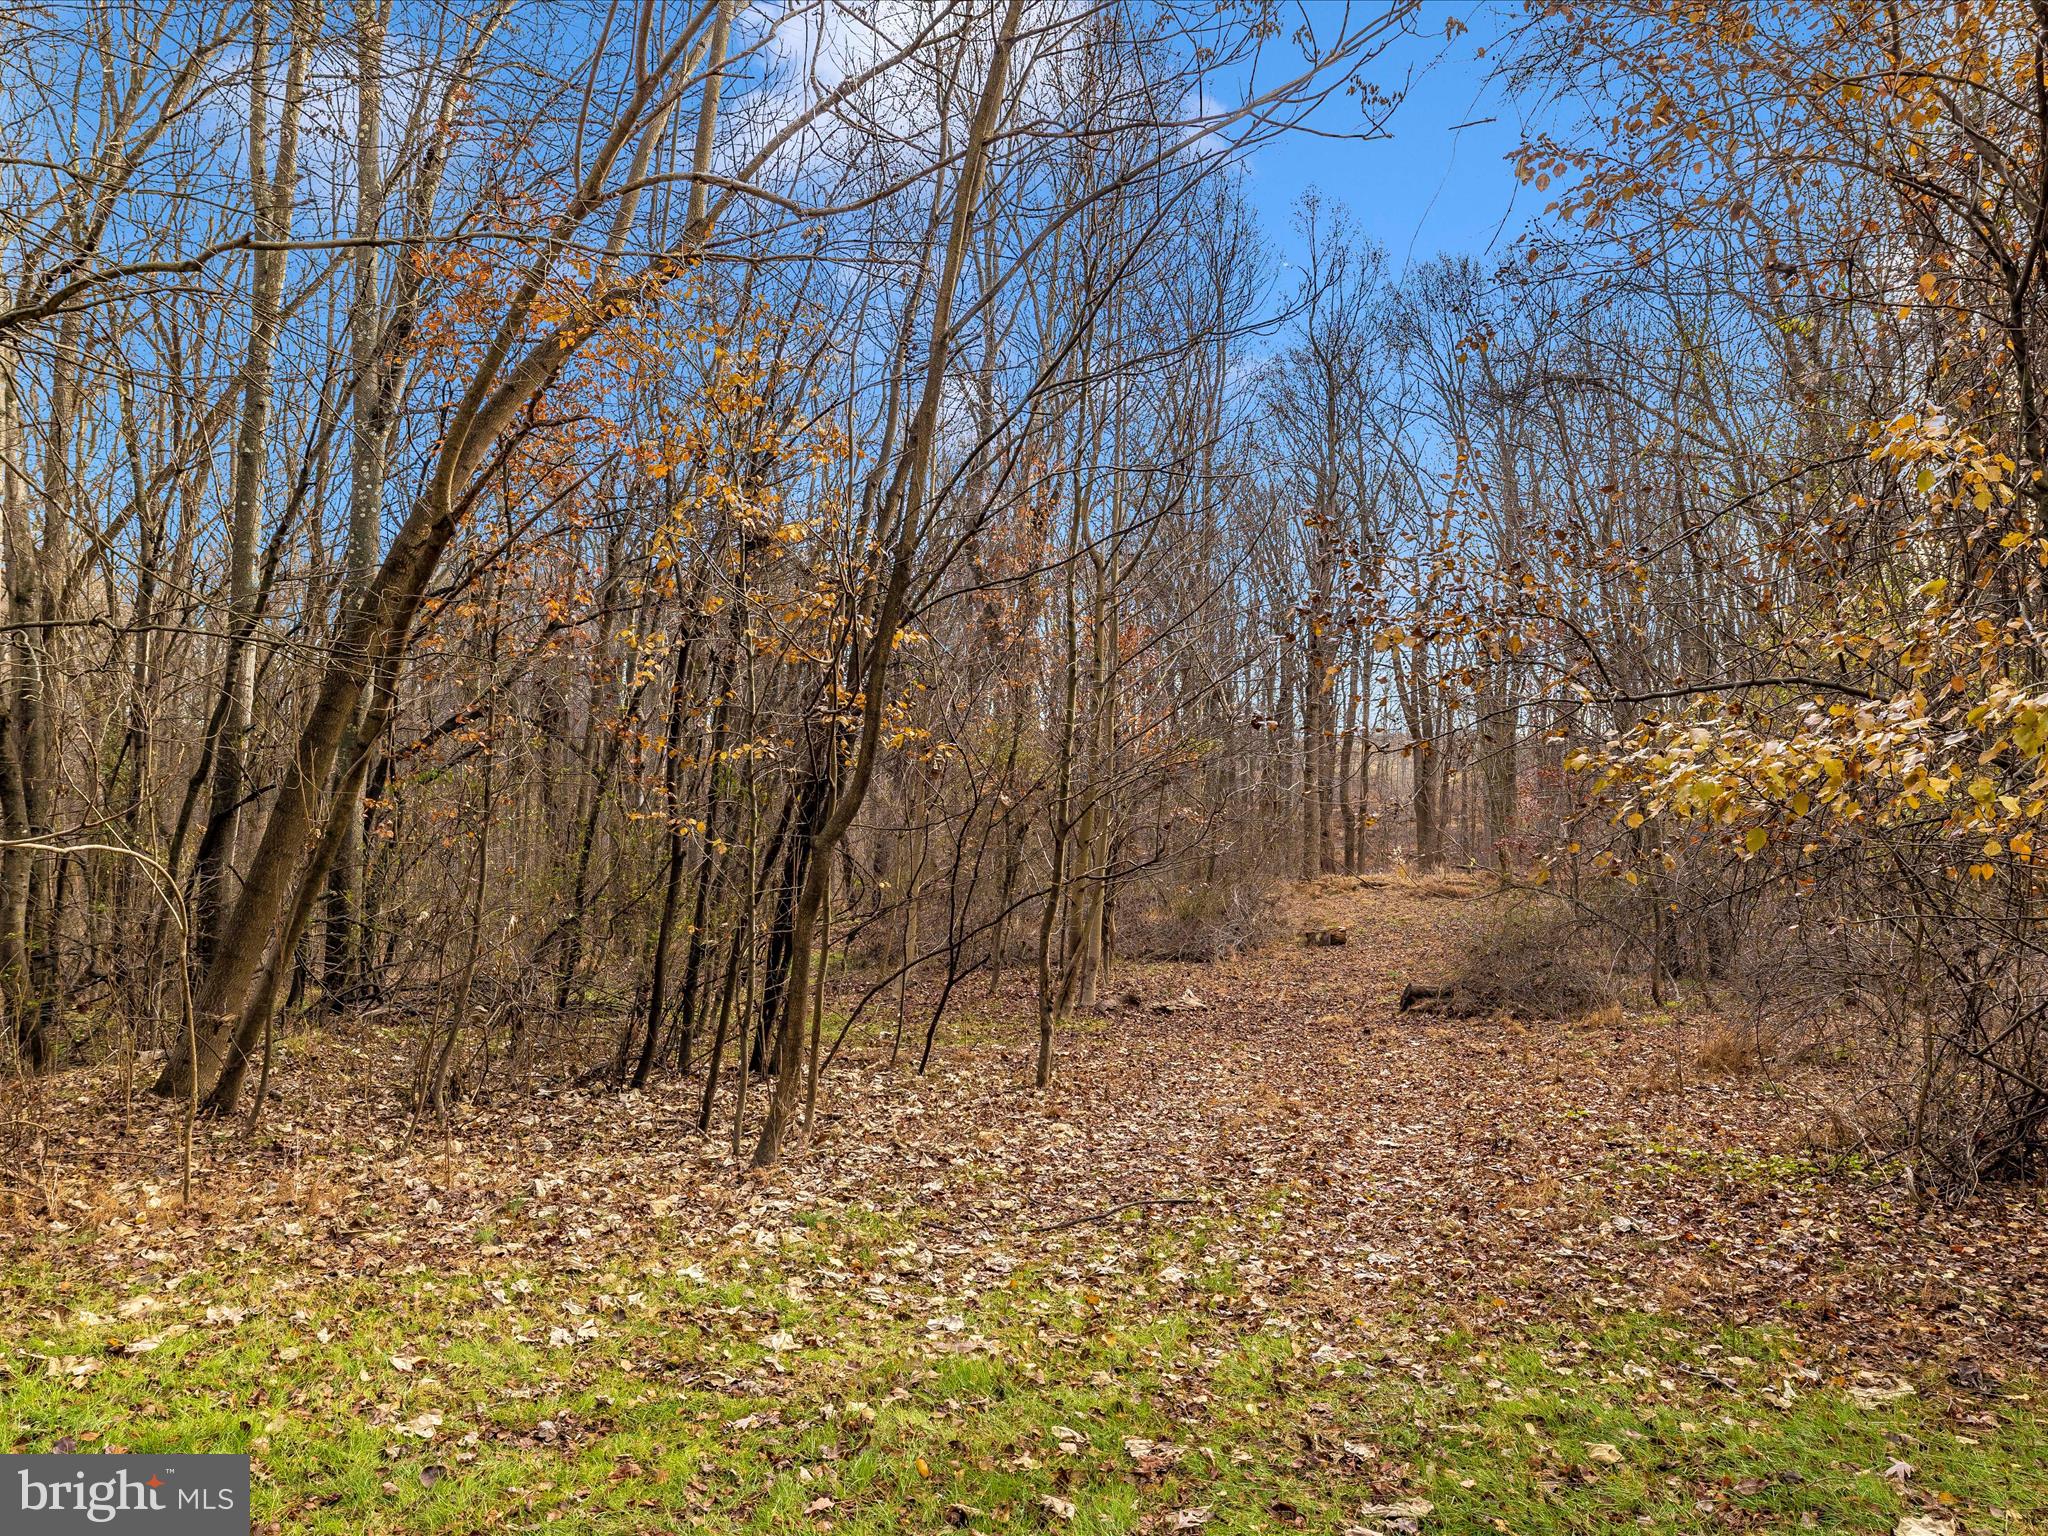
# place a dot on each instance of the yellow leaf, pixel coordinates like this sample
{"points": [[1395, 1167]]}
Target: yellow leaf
{"points": [[1755, 839]]}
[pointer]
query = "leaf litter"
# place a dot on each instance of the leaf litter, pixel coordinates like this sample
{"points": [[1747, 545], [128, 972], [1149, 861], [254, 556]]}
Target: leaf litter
{"points": [[1281, 1150]]}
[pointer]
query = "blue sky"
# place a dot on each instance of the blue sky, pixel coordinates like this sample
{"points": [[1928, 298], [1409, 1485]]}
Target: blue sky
{"points": [[1431, 185]]}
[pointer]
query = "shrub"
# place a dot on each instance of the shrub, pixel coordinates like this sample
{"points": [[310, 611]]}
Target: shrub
{"points": [[1535, 961], [1201, 923]]}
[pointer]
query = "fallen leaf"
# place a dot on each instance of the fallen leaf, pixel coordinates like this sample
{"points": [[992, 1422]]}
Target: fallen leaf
{"points": [[1400, 1509], [1875, 1392]]}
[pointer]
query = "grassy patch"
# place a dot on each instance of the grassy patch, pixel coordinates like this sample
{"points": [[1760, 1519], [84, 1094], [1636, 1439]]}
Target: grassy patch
{"points": [[1805, 1170], [842, 1376]]}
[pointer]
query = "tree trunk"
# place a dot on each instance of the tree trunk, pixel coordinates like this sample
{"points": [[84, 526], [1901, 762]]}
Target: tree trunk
{"points": [[271, 191], [907, 513], [370, 393]]}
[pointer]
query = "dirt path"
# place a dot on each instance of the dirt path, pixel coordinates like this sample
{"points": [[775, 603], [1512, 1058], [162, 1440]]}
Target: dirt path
{"points": [[1486, 1168]]}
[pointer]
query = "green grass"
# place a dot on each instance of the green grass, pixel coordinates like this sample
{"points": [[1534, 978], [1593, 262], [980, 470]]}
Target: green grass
{"points": [[835, 1380]]}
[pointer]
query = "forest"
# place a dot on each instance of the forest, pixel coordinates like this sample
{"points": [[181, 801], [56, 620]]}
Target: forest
{"points": [[770, 764]]}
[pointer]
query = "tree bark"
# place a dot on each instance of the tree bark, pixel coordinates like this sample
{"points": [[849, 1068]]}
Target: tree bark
{"points": [[272, 186]]}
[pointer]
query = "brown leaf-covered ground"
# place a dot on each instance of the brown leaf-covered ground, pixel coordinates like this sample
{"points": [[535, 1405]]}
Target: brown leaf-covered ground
{"points": [[1283, 1260], [1478, 1171]]}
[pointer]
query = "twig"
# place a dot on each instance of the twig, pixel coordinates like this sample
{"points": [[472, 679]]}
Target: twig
{"points": [[1114, 1210]]}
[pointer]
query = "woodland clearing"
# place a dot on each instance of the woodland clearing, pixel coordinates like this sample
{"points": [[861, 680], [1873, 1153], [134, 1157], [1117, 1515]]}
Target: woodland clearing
{"points": [[698, 699], [1290, 1260]]}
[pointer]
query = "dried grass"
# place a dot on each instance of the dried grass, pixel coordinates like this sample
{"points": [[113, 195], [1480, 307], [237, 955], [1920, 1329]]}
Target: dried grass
{"points": [[1733, 1050], [1203, 923]]}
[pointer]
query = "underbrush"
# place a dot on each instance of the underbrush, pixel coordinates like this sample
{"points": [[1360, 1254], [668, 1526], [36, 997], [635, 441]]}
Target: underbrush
{"points": [[1533, 960], [1200, 923], [1442, 886]]}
